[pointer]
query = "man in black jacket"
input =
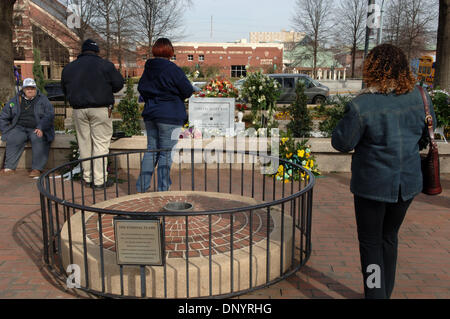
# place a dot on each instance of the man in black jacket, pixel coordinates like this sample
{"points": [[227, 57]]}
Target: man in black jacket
{"points": [[89, 84]]}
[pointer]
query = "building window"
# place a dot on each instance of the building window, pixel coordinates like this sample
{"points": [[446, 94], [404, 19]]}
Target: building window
{"points": [[238, 71], [19, 53], [173, 58], [18, 21], [190, 57], [201, 57]]}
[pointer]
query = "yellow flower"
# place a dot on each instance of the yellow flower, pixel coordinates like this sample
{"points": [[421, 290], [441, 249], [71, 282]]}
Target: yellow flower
{"points": [[311, 163], [289, 155], [284, 140], [307, 155], [300, 153]]}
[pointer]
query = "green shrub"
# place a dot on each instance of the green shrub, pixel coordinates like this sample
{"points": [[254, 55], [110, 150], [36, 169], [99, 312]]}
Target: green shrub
{"points": [[301, 123], [441, 105], [38, 74], [129, 110], [333, 110]]}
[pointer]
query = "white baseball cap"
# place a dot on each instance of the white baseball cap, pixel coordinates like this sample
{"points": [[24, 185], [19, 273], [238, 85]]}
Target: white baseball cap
{"points": [[28, 82]]}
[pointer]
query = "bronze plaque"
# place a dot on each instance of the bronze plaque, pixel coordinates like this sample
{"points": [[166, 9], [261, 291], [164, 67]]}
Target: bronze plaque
{"points": [[138, 241]]}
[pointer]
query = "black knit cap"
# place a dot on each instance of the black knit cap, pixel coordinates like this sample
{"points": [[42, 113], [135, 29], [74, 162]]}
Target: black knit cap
{"points": [[90, 45]]}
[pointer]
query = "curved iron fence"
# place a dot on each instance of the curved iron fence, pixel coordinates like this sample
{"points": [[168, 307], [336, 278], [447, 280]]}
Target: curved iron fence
{"points": [[275, 223]]}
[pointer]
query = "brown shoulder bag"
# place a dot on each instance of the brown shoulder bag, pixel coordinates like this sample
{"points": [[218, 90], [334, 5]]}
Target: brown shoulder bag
{"points": [[430, 161]]}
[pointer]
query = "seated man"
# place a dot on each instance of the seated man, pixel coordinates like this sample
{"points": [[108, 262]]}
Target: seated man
{"points": [[27, 117]]}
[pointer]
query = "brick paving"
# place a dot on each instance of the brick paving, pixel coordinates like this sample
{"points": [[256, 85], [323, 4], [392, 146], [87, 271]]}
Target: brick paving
{"points": [[333, 270], [198, 226]]}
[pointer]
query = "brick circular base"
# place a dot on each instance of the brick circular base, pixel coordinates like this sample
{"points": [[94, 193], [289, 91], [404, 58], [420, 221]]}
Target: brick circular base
{"points": [[202, 275], [199, 235]]}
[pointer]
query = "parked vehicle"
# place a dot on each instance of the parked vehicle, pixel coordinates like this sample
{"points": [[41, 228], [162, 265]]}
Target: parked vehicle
{"points": [[314, 90]]}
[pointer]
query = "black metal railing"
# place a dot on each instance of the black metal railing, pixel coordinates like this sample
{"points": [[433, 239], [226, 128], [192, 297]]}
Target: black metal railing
{"points": [[271, 231]]}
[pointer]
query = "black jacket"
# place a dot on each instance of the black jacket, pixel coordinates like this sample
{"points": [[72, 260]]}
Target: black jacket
{"points": [[384, 130], [164, 87], [90, 81]]}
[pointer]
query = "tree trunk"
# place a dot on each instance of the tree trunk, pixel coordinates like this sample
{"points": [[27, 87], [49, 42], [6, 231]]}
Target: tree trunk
{"points": [[315, 49], [354, 47], [7, 51], [442, 76]]}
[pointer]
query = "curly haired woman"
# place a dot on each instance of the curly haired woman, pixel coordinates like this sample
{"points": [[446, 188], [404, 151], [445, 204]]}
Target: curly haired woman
{"points": [[384, 125]]}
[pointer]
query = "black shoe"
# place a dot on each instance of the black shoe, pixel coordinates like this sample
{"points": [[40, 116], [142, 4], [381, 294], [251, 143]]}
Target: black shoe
{"points": [[108, 183], [86, 184]]}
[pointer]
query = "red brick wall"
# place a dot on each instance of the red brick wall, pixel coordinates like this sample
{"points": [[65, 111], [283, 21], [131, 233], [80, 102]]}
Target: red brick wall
{"points": [[266, 57], [23, 35]]}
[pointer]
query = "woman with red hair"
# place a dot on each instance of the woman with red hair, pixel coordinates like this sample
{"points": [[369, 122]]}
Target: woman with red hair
{"points": [[384, 124], [164, 87]]}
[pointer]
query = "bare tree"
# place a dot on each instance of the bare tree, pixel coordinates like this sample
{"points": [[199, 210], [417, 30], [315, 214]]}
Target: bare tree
{"points": [[157, 18], [7, 51], [87, 12], [393, 21], [351, 18], [122, 30], [104, 21], [314, 18], [409, 24], [442, 78]]}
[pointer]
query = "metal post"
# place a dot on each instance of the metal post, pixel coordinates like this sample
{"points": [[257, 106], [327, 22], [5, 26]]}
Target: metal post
{"points": [[380, 30], [366, 45]]}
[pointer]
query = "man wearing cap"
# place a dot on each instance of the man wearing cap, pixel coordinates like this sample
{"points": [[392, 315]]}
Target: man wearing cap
{"points": [[27, 117], [89, 84]]}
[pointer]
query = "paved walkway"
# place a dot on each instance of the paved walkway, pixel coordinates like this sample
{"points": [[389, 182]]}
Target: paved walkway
{"points": [[333, 270]]}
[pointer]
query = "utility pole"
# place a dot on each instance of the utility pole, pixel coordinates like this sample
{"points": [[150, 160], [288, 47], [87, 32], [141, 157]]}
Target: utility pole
{"points": [[370, 6], [380, 30], [211, 27]]}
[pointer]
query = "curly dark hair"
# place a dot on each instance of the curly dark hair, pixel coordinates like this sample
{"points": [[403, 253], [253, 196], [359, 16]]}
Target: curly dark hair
{"points": [[386, 68]]}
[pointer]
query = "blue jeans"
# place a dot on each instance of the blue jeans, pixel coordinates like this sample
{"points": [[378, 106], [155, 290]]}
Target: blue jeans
{"points": [[159, 136]]}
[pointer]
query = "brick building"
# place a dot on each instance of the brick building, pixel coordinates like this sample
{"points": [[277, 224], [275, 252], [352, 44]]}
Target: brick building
{"points": [[229, 59], [42, 24]]}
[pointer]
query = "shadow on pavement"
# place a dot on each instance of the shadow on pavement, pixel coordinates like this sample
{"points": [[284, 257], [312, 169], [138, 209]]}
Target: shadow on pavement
{"points": [[27, 233]]}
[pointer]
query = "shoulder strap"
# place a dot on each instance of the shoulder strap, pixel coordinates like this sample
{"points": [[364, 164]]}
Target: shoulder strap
{"points": [[428, 117]]}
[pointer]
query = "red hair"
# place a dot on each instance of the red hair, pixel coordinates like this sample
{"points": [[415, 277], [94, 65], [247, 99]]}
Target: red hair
{"points": [[163, 48]]}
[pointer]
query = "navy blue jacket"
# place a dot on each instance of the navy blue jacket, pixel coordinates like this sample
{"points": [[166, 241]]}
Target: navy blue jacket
{"points": [[164, 87], [90, 81], [43, 112], [384, 130]]}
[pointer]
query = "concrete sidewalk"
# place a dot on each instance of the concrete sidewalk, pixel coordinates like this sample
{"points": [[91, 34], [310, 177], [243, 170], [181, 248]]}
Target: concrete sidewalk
{"points": [[333, 270]]}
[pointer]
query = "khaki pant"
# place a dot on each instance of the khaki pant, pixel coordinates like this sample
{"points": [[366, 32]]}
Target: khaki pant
{"points": [[94, 131]]}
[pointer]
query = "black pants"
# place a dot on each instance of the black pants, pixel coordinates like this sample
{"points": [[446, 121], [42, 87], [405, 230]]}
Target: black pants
{"points": [[378, 224]]}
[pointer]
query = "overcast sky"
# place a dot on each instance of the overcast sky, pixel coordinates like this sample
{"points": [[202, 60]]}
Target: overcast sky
{"points": [[235, 19]]}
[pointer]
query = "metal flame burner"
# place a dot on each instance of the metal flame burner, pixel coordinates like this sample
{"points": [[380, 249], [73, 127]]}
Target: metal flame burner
{"points": [[178, 207]]}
